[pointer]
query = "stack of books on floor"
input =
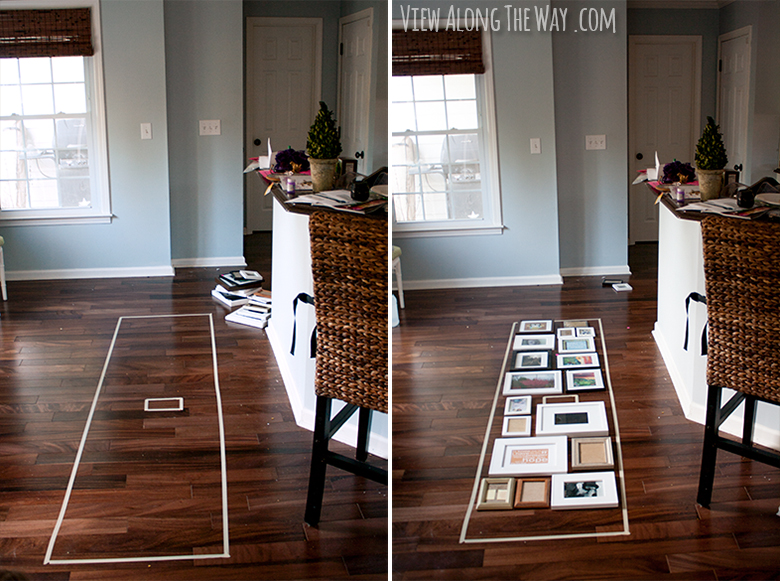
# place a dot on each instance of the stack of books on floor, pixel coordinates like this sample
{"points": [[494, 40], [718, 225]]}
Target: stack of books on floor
{"points": [[243, 289]]}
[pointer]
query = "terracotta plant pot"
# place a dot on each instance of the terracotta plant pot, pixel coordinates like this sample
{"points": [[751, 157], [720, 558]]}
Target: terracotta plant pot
{"points": [[323, 173], [710, 183]]}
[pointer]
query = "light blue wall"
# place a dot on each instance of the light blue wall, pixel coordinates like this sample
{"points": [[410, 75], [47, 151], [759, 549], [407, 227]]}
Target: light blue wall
{"points": [[139, 236], [590, 99], [764, 99], [204, 56]]}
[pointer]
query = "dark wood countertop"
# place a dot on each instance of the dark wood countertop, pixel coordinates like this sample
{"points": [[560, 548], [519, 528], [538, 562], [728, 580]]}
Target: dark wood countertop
{"points": [[282, 197]]}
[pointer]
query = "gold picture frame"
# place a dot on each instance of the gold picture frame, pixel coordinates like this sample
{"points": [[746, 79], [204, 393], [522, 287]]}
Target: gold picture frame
{"points": [[592, 453], [496, 494]]}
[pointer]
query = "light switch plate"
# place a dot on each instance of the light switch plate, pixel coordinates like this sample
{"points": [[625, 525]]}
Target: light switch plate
{"points": [[536, 145], [146, 130], [210, 127], [595, 142]]}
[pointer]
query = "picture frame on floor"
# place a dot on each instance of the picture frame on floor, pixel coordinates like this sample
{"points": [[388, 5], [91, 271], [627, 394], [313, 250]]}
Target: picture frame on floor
{"points": [[496, 494], [584, 490], [535, 456], [577, 360], [592, 453], [566, 332], [533, 382], [519, 405], [516, 426], [533, 342], [523, 360], [576, 345], [584, 380], [586, 332], [538, 326], [532, 493], [572, 419]]}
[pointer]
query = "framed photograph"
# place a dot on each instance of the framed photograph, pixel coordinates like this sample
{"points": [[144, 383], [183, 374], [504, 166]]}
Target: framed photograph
{"points": [[516, 426], [532, 493], [572, 419], [584, 490], [567, 333], [533, 382], [533, 342], [592, 453], [518, 405], [496, 494], [536, 326], [539, 456], [576, 345], [584, 379], [531, 360], [575, 323], [586, 332], [572, 361]]}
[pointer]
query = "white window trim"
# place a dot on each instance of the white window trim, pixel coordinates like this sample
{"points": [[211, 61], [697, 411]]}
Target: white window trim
{"points": [[100, 213], [492, 223]]}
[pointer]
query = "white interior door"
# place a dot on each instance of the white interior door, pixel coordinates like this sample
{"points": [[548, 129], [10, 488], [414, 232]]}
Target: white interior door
{"points": [[284, 71], [664, 109], [733, 90], [356, 33]]}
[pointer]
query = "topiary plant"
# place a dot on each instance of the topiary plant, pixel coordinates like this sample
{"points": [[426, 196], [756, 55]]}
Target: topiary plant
{"points": [[324, 140], [710, 151]]}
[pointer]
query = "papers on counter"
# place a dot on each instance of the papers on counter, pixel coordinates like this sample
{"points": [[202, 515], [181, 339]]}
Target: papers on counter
{"points": [[339, 200]]}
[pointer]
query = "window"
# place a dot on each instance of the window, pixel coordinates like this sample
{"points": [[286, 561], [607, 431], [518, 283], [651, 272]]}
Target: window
{"points": [[443, 153], [52, 134]]}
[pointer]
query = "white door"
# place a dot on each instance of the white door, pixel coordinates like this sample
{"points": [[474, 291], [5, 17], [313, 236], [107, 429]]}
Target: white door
{"points": [[284, 70], [664, 109], [356, 33], [733, 85]]}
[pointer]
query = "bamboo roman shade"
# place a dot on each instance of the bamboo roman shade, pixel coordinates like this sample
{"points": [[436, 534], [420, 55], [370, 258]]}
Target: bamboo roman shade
{"points": [[45, 33], [446, 52]]}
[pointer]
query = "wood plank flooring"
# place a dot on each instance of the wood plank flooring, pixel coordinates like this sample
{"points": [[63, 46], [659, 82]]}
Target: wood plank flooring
{"points": [[54, 337], [447, 353]]}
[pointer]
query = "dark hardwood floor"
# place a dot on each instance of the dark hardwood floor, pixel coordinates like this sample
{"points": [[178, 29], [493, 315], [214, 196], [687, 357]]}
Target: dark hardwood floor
{"points": [[54, 338], [447, 354]]}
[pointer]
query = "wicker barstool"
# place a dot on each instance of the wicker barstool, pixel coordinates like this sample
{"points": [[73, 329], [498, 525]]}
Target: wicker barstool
{"points": [[742, 281], [349, 268]]}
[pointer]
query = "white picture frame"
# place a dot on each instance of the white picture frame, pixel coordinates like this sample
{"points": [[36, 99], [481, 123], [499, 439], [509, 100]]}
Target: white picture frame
{"points": [[576, 345], [536, 326], [533, 342], [518, 405], [577, 360], [566, 332], [516, 426], [533, 382], [529, 456], [584, 490], [585, 331], [572, 419], [525, 360], [589, 379]]}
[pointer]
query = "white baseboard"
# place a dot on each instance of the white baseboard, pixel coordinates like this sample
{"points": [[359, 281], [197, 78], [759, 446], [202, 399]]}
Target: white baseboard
{"points": [[615, 270], [445, 283], [209, 262], [76, 273]]}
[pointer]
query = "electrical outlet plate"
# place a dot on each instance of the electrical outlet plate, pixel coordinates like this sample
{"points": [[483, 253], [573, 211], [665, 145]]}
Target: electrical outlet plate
{"points": [[210, 127], [595, 142]]}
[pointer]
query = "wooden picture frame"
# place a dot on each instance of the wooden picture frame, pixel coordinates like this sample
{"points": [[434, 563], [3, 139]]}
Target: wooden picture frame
{"points": [[532, 493], [572, 419], [584, 490], [592, 453], [496, 494], [589, 379], [538, 456], [538, 326], [533, 382], [516, 426], [575, 323], [518, 405], [577, 360]]}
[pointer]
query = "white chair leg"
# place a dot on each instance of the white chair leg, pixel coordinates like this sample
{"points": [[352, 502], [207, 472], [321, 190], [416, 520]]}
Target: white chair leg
{"points": [[2, 275], [399, 281]]}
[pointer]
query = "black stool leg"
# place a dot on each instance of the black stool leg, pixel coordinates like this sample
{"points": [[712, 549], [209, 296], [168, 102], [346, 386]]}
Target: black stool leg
{"points": [[710, 451], [364, 426], [318, 461], [749, 420]]}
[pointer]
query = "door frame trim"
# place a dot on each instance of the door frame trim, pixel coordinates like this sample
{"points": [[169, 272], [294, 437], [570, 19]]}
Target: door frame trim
{"points": [[744, 31], [251, 22]]}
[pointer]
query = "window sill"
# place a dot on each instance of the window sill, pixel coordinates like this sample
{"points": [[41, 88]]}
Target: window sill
{"points": [[55, 220], [424, 231]]}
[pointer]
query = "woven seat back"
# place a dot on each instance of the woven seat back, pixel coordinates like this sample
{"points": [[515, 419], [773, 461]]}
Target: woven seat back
{"points": [[742, 277], [349, 268]]}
